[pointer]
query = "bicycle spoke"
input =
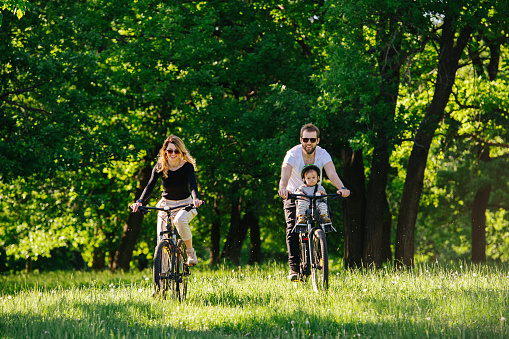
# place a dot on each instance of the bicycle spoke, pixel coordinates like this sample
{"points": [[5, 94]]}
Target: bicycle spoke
{"points": [[320, 270], [179, 283], [162, 267]]}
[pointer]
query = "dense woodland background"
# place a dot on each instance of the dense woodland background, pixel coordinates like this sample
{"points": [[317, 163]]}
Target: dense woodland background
{"points": [[412, 99]]}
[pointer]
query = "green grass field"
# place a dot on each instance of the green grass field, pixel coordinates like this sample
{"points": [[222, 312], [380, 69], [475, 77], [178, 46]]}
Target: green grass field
{"points": [[435, 301]]}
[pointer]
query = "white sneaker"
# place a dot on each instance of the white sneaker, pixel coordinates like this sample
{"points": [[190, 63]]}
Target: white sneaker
{"points": [[192, 259]]}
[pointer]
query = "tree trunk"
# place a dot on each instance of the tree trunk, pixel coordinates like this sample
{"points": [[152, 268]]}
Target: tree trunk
{"points": [[375, 248], [124, 253], [450, 53], [389, 64], [98, 259], [256, 243], [28, 265], [494, 60], [482, 196], [354, 208], [215, 235], [99, 253], [233, 240], [479, 207], [386, 252], [238, 231], [479, 224]]}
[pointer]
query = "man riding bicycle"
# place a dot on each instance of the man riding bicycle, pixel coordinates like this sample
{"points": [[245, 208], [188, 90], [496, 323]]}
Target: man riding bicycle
{"points": [[306, 153]]}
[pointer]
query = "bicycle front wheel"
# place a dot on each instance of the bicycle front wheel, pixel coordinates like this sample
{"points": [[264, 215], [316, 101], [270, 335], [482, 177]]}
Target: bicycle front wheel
{"points": [[320, 269], [179, 283], [163, 269]]}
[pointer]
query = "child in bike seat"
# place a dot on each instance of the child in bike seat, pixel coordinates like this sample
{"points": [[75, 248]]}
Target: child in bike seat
{"points": [[311, 176]]}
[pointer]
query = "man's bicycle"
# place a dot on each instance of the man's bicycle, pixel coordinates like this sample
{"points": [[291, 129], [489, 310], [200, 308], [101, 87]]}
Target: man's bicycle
{"points": [[314, 258], [170, 271]]}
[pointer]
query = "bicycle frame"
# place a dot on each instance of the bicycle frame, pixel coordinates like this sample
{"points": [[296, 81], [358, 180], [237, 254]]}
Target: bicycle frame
{"points": [[170, 228], [167, 239]]}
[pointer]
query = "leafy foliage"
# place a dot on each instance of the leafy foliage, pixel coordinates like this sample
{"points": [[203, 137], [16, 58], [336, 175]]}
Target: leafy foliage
{"points": [[90, 89]]}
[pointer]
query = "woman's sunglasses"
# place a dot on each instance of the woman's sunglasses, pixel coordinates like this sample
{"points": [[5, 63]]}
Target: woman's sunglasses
{"points": [[172, 151], [305, 140]]}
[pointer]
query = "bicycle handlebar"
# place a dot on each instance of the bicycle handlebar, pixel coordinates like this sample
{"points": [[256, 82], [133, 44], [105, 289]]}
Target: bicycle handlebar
{"points": [[146, 209], [294, 196]]}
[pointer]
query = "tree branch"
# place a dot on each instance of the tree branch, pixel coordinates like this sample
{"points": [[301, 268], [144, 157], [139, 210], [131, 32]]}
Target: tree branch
{"points": [[28, 108], [22, 90]]}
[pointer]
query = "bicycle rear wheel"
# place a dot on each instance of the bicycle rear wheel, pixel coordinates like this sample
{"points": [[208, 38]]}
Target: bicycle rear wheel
{"points": [[163, 269], [179, 283], [320, 270]]}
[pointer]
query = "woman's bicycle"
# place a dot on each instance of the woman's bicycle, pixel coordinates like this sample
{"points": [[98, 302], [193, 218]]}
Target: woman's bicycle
{"points": [[313, 243], [170, 259]]}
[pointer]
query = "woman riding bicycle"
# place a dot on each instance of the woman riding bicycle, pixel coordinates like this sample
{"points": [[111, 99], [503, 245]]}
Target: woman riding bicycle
{"points": [[176, 168]]}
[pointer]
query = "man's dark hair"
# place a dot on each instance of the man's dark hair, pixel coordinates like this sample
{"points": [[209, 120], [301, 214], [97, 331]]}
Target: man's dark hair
{"points": [[310, 128]]}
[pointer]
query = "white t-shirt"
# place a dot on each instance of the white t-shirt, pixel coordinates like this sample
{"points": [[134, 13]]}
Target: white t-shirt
{"points": [[295, 159]]}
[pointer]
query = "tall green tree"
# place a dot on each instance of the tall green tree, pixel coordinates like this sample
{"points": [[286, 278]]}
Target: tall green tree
{"points": [[470, 164], [236, 65], [371, 42], [55, 114], [57, 118], [364, 82], [458, 21]]}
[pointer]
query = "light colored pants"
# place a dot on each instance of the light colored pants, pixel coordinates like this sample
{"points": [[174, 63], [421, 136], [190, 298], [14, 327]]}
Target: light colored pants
{"points": [[303, 205], [181, 219]]}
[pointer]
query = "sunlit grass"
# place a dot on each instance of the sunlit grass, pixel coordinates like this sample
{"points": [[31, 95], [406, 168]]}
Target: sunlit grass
{"points": [[429, 301]]}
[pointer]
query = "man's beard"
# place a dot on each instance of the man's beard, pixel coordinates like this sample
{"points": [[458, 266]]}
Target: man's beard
{"points": [[309, 151]]}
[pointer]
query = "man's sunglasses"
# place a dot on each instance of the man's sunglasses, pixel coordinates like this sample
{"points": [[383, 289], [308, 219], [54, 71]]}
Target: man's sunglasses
{"points": [[305, 140], [174, 151]]}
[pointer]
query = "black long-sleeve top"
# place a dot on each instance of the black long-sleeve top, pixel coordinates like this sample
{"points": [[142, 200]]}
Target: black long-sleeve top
{"points": [[176, 185]]}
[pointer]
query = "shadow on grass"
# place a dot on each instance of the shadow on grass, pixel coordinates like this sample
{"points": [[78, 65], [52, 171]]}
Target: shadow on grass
{"points": [[66, 280], [36, 326], [237, 310], [100, 317]]}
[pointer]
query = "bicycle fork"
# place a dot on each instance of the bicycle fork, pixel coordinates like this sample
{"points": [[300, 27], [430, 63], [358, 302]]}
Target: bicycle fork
{"points": [[310, 242], [305, 267]]}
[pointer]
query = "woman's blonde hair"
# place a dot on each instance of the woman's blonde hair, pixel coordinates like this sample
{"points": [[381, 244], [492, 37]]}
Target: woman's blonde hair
{"points": [[163, 164]]}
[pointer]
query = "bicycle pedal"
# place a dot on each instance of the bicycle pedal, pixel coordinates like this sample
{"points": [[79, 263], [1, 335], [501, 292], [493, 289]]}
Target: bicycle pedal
{"points": [[300, 229], [329, 228], [304, 278]]}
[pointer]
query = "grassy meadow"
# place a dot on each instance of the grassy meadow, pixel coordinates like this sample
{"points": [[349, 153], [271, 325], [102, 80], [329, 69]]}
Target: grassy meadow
{"points": [[430, 301]]}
